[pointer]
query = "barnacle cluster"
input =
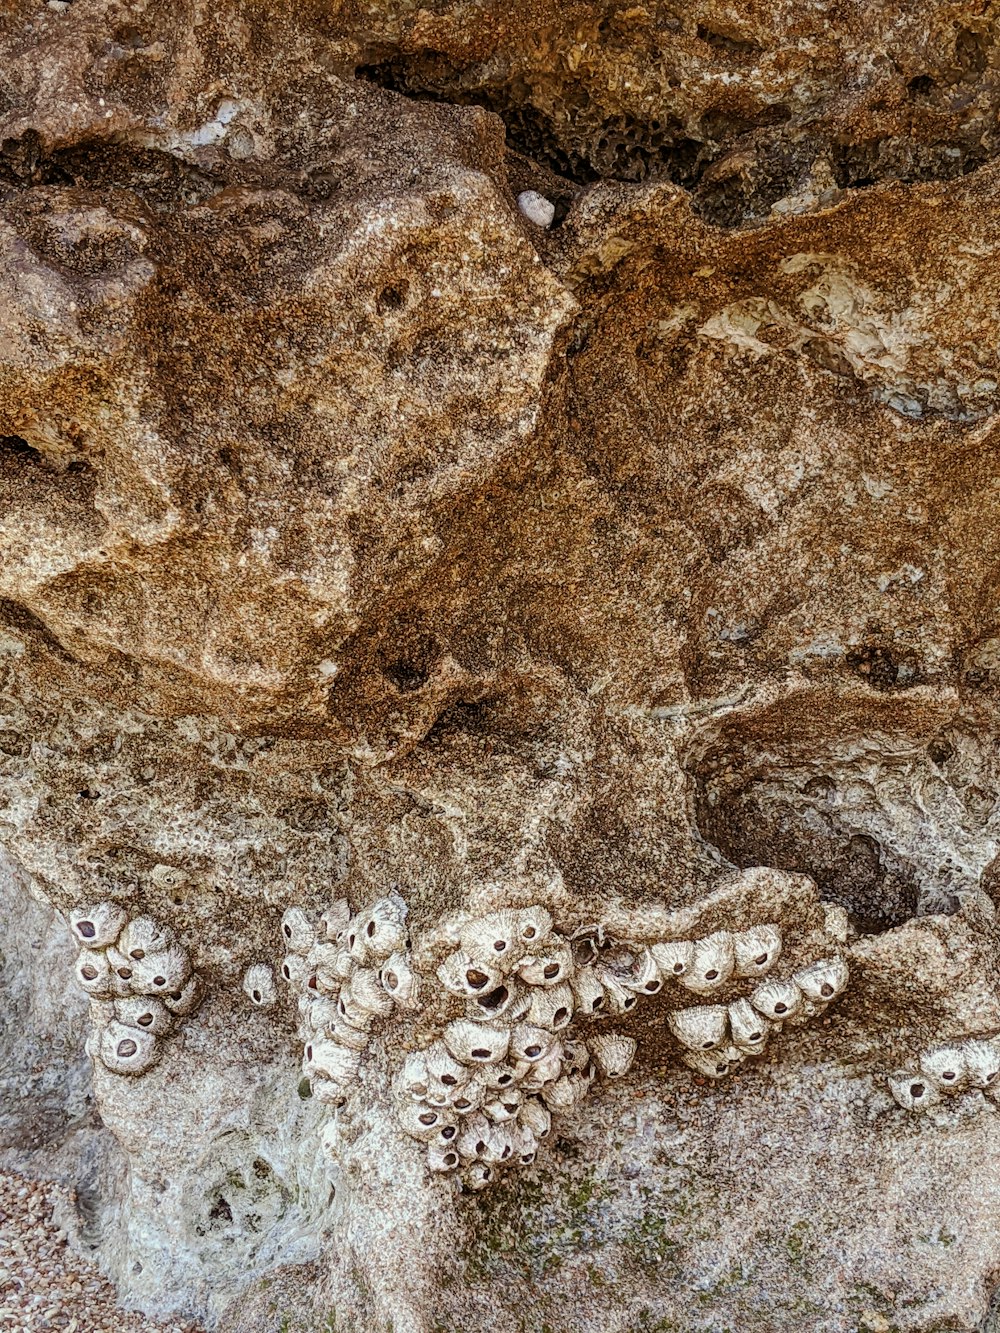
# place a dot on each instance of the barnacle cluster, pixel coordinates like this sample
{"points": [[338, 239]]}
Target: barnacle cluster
{"points": [[139, 979], [945, 1070], [348, 972]]}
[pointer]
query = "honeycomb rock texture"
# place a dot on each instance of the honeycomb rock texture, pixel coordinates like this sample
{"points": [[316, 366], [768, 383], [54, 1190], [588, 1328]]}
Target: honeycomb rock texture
{"points": [[364, 538]]}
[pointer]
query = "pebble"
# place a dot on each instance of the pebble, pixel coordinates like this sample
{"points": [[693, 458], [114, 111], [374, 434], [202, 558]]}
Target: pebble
{"points": [[43, 1284], [536, 208]]}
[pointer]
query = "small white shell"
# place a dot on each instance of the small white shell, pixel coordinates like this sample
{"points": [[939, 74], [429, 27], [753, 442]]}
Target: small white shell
{"points": [[620, 1000], [982, 1062], [713, 1064], [525, 1144], [499, 1144], [913, 1092], [473, 1137], [358, 1015], [98, 926], [576, 1058], [494, 940], [93, 972], [259, 987], [144, 936], [566, 1092], [477, 1176], [552, 1008], [346, 1034], [331, 1061], [334, 919], [328, 1092], [168, 877], [823, 980], [442, 1157], [423, 1122], [382, 929], [777, 1000], [536, 208], [756, 950], [444, 1068], [160, 973], [712, 963], [548, 968], [476, 1043], [499, 1076], [503, 1107], [367, 993], [297, 931], [295, 969], [704, 1027], [536, 1117], [185, 1000], [399, 980], [530, 1043], [316, 1015], [588, 993], [533, 1075], [126, 1050], [749, 1029], [121, 971], [461, 974], [674, 957], [644, 977], [141, 1011], [469, 1098], [534, 926], [413, 1078], [945, 1068], [612, 1053], [509, 1001]]}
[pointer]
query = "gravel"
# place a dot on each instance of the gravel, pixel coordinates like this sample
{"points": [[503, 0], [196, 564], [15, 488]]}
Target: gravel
{"points": [[43, 1284]]}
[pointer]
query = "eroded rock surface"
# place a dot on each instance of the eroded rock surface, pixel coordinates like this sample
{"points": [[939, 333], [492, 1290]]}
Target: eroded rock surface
{"points": [[364, 539]]}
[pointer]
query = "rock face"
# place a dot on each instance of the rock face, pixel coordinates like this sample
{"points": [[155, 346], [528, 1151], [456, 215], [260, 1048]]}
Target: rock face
{"points": [[493, 468]]}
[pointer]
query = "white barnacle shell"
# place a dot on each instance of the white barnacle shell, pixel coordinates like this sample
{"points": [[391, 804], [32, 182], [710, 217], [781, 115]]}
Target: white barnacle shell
{"points": [[366, 992], [295, 969], [316, 1014], [913, 1092], [447, 1134], [533, 1075], [504, 1106], [673, 957], [358, 1014], [576, 1058], [442, 1067], [93, 972], [328, 1060], [756, 950], [259, 987], [823, 980], [97, 926], [535, 1116], [161, 973], [346, 1034], [509, 1000], [565, 1092], [168, 877], [461, 974], [473, 1137], [186, 999], [470, 1097], [713, 1064], [413, 1079], [329, 1092], [777, 1000], [121, 970], [748, 1028], [548, 968], [442, 1157], [536, 208], [334, 919], [477, 1176], [588, 993], [399, 980], [612, 1053], [530, 1043], [525, 1144], [143, 935], [324, 958], [552, 1008], [476, 1043], [494, 940], [143, 1011], [703, 1027], [619, 998], [982, 1062], [297, 931], [499, 1144], [499, 1076], [423, 1122], [644, 975], [945, 1068], [712, 963], [126, 1050], [382, 928], [534, 926]]}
